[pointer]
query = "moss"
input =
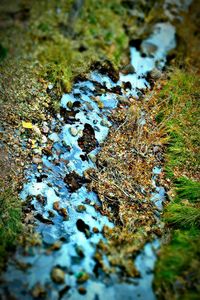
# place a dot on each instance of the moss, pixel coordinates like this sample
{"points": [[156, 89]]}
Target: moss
{"points": [[10, 224]]}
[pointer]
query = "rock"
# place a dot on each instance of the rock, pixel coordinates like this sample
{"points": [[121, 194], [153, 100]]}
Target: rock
{"points": [[155, 74], [82, 290], [58, 275], [56, 205], [70, 104], [44, 139], [105, 122], [129, 69], [74, 181], [56, 246], [82, 277], [80, 208], [64, 213], [45, 129], [95, 230], [36, 130], [89, 106], [37, 160], [79, 251], [100, 104], [50, 86], [148, 48], [38, 291], [73, 131]]}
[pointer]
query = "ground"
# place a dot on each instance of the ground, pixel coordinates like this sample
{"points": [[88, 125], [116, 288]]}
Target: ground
{"points": [[54, 47]]}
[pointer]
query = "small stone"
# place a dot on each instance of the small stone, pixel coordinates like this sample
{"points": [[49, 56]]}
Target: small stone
{"points": [[56, 246], [45, 129], [105, 122], [56, 205], [79, 251], [64, 213], [58, 275], [37, 160], [155, 74], [73, 131], [50, 86], [129, 69], [95, 230], [82, 277], [89, 106], [38, 291], [100, 104], [82, 290], [44, 139], [148, 48], [80, 208], [70, 104], [36, 130]]}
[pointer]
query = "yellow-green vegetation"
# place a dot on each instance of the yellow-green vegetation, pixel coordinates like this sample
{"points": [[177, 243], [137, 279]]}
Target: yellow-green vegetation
{"points": [[54, 41], [10, 222], [177, 270]]}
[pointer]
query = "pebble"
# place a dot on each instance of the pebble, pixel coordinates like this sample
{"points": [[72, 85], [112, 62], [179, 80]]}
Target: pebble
{"points": [[129, 69], [89, 106], [155, 74], [105, 122], [80, 208], [50, 86], [38, 291], [69, 104], [82, 277], [148, 48], [45, 129], [73, 131], [82, 290], [58, 275], [44, 139], [36, 130], [37, 160]]}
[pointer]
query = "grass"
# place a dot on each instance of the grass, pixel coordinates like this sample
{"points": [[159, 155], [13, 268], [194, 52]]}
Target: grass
{"points": [[10, 223], [177, 269]]}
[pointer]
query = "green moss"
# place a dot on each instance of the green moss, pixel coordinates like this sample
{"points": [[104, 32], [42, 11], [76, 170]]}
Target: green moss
{"points": [[178, 259], [10, 222]]}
